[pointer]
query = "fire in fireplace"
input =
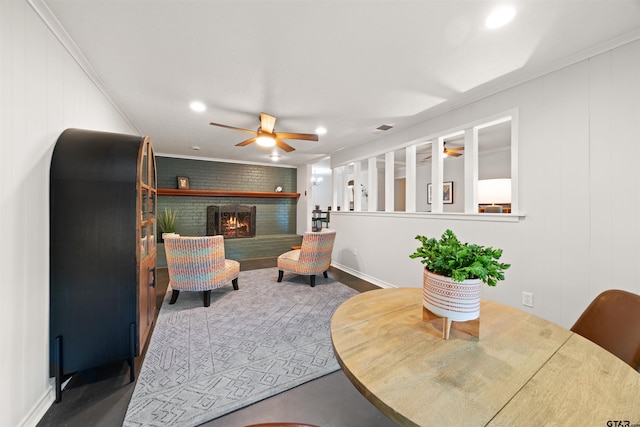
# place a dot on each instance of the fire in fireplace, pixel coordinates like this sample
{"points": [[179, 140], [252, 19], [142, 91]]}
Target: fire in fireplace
{"points": [[231, 221]]}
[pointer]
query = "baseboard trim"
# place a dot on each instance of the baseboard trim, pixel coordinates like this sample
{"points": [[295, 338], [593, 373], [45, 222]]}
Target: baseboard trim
{"points": [[40, 409], [362, 276]]}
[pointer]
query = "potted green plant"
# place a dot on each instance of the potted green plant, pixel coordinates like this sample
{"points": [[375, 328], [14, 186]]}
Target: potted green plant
{"points": [[454, 272], [167, 222]]}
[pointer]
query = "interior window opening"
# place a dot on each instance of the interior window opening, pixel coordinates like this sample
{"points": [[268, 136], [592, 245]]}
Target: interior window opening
{"points": [[494, 168]]}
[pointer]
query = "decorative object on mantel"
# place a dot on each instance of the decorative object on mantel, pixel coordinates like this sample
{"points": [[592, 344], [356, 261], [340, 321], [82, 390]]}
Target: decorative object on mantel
{"points": [[453, 274], [278, 189], [183, 182]]}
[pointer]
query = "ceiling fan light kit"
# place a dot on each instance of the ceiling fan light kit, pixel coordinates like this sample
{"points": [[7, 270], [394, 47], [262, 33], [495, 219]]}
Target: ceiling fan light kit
{"points": [[266, 136], [265, 141]]}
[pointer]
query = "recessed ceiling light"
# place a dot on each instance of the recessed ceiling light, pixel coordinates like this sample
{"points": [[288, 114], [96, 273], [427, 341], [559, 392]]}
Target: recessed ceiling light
{"points": [[195, 148], [274, 157], [499, 17], [321, 131], [384, 127], [198, 106]]}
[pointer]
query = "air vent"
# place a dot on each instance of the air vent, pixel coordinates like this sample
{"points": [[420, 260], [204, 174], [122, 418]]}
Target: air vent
{"points": [[384, 127]]}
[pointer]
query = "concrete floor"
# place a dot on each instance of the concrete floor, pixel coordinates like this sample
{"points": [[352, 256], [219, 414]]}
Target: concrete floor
{"points": [[100, 397]]}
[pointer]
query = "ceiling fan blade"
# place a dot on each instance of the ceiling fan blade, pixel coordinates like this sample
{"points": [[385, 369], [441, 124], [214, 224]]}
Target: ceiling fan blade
{"points": [[451, 154], [267, 122], [455, 149], [283, 145], [232, 127], [247, 142], [304, 136]]}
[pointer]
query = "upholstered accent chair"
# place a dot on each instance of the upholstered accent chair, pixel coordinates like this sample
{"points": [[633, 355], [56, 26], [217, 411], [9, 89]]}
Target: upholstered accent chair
{"points": [[313, 257], [198, 264], [612, 321]]}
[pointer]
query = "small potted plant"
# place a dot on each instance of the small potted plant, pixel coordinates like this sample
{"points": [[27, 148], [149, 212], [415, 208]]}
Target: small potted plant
{"points": [[167, 222], [453, 274]]}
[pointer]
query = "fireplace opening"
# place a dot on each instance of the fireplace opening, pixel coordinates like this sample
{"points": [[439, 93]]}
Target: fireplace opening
{"points": [[231, 221]]}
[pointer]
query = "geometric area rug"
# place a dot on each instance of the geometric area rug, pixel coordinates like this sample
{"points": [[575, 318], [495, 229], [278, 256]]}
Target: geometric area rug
{"points": [[249, 344]]}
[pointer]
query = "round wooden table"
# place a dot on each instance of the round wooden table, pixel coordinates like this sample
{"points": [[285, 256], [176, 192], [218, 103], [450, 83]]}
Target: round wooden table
{"points": [[523, 370]]}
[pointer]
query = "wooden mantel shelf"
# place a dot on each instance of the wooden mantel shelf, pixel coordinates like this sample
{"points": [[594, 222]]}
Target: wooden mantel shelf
{"points": [[223, 193]]}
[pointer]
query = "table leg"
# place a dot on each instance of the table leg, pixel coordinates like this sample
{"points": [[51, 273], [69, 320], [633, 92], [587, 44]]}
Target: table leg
{"points": [[446, 327], [468, 328]]}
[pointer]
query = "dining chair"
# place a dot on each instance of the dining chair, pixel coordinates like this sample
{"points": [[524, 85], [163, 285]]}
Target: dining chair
{"points": [[198, 264], [612, 321], [324, 221], [313, 257]]}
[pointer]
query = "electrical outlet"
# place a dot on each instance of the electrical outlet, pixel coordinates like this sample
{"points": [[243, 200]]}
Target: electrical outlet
{"points": [[527, 299]]}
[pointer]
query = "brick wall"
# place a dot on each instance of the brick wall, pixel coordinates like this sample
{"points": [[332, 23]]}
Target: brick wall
{"points": [[275, 217]]}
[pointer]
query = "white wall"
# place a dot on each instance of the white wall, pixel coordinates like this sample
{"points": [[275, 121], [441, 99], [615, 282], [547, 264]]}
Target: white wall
{"points": [[321, 194], [579, 150], [42, 92]]}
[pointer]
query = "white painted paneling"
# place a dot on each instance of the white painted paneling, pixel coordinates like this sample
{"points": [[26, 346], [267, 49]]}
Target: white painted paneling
{"points": [[601, 171], [547, 300], [625, 158], [42, 92], [574, 150], [577, 164]]}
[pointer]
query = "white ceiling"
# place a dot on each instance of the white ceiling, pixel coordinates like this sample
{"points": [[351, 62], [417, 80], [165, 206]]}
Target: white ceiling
{"points": [[349, 66]]}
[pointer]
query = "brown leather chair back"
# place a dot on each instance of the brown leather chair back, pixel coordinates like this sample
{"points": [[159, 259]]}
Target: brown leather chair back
{"points": [[612, 321]]}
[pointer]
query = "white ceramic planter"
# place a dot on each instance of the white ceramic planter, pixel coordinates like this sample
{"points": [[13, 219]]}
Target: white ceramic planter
{"points": [[458, 301]]}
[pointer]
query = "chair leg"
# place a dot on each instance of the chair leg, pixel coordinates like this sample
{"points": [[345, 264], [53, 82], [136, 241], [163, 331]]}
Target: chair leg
{"points": [[235, 283], [280, 273], [326, 276], [312, 280], [174, 296], [207, 298]]}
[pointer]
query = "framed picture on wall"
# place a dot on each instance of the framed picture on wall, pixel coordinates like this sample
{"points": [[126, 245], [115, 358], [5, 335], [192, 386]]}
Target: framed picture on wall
{"points": [[183, 183], [447, 193]]}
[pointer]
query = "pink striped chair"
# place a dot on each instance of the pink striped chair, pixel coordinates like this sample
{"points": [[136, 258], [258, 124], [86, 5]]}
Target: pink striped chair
{"points": [[198, 264], [313, 257]]}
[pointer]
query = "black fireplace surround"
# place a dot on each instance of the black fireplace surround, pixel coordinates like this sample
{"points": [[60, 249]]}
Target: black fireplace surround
{"points": [[231, 221]]}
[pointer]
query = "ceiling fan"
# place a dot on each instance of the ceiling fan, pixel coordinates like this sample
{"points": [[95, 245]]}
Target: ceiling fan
{"points": [[266, 135], [452, 152]]}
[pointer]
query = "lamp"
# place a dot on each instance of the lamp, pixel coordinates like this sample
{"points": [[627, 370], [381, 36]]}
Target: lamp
{"points": [[494, 191], [265, 139]]}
